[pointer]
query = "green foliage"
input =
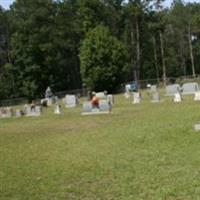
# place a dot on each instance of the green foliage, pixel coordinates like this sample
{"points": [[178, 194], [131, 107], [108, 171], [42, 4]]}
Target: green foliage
{"points": [[43, 47], [7, 82], [103, 60]]}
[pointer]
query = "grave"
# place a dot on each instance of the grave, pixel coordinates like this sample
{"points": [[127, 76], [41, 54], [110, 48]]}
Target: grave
{"points": [[127, 91], [32, 112], [197, 127], [177, 97], [153, 89], [197, 96], [70, 101], [110, 98], [105, 96], [6, 112], [104, 108], [101, 95], [49, 101], [18, 113], [190, 88], [57, 109], [136, 98], [155, 97], [38, 110], [87, 106], [171, 90]]}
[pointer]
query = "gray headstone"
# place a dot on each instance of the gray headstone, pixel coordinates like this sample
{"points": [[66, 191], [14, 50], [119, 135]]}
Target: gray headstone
{"points": [[18, 113], [49, 101], [153, 89], [37, 111], [172, 89], [6, 112], [87, 106], [34, 112], [155, 97], [70, 101], [136, 98], [28, 110], [190, 88], [104, 105]]}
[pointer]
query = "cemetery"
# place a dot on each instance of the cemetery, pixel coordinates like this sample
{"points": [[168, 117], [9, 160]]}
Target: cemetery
{"points": [[99, 100], [159, 142]]}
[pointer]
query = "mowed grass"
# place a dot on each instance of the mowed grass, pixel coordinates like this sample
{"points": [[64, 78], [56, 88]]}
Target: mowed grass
{"points": [[148, 151]]}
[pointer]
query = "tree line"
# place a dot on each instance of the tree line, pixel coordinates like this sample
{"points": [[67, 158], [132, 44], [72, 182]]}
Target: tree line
{"points": [[98, 44]]}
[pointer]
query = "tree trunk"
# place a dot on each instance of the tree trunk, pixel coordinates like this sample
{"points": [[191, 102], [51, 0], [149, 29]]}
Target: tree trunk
{"points": [[156, 59], [182, 58], [163, 58], [137, 71], [191, 51], [132, 56]]}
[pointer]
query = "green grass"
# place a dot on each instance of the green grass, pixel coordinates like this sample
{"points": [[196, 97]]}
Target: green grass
{"points": [[148, 151]]}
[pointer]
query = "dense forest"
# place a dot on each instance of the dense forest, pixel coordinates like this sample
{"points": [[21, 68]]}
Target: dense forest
{"points": [[98, 44]]}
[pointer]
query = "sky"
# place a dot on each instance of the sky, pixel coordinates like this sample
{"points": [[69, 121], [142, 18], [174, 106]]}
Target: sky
{"points": [[6, 3]]}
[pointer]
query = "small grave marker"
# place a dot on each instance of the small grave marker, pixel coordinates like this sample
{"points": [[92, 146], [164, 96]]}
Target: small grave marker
{"points": [[57, 109], [197, 96], [136, 98], [177, 97]]}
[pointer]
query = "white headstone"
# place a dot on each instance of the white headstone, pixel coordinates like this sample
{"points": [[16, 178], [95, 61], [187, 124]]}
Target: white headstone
{"points": [[104, 105], [153, 89], [155, 97], [70, 101], [18, 113], [37, 111], [101, 95], [177, 97], [34, 112], [171, 90], [110, 98], [6, 112], [87, 106], [197, 127], [57, 109], [127, 91], [197, 96], [190, 88], [136, 98], [49, 101], [28, 110]]}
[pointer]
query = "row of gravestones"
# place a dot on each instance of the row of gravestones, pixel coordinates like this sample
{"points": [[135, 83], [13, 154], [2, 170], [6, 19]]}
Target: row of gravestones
{"points": [[70, 101], [171, 90], [27, 111], [177, 91]]}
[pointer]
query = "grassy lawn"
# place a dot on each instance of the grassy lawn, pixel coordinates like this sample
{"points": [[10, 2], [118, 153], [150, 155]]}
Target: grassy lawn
{"points": [[148, 151]]}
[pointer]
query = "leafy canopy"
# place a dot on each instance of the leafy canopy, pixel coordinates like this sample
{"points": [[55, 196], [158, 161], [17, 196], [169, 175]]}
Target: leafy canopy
{"points": [[103, 59]]}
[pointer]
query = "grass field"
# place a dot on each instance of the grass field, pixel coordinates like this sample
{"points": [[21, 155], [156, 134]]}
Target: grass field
{"points": [[148, 151]]}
